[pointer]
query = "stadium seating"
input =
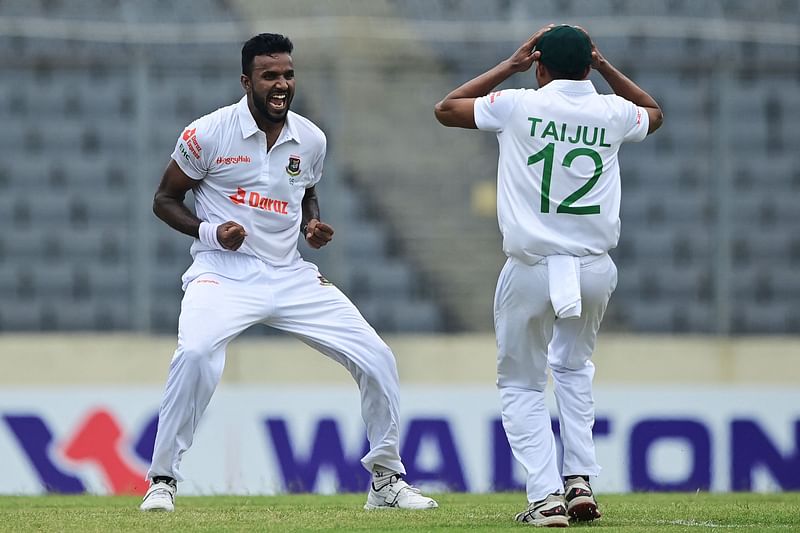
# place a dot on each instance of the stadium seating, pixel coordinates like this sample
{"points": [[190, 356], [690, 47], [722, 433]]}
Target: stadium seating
{"points": [[671, 196], [408, 248], [71, 127]]}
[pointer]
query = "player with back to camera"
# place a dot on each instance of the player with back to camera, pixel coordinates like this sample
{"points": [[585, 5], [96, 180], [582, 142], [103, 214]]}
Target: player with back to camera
{"points": [[558, 209], [253, 167]]}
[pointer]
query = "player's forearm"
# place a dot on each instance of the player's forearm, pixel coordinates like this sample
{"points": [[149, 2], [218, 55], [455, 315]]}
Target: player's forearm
{"points": [[310, 207], [175, 213], [483, 84], [625, 87], [456, 108]]}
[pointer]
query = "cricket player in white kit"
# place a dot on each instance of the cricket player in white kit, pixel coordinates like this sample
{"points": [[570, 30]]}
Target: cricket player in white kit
{"points": [[252, 167], [558, 210]]}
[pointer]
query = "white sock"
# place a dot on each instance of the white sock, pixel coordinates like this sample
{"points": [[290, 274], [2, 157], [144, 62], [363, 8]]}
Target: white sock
{"points": [[382, 477]]}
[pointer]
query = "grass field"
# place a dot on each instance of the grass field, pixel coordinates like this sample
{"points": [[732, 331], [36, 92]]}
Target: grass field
{"points": [[457, 512]]}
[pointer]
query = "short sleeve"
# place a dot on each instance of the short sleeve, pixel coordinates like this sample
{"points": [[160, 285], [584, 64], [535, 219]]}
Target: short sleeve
{"points": [[193, 151], [316, 168], [636, 122], [493, 111]]}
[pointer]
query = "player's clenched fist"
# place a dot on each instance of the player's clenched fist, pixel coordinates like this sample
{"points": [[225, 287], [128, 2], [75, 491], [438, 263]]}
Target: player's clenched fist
{"points": [[231, 235], [318, 234]]}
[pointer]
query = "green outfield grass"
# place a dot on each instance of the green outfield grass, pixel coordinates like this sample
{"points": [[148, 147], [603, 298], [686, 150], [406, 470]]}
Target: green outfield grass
{"points": [[457, 512]]}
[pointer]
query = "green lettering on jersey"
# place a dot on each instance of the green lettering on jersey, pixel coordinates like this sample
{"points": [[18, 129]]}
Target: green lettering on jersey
{"points": [[574, 140], [534, 122], [547, 154], [586, 141], [566, 206], [582, 134], [550, 129], [603, 139]]}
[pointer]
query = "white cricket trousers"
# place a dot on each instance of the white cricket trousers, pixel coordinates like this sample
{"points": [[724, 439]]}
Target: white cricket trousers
{"points": [[529, 340], [227, 292]]}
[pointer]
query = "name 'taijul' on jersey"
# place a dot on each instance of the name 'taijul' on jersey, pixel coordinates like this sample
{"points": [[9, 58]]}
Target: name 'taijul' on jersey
{"points": [[580, 134]]}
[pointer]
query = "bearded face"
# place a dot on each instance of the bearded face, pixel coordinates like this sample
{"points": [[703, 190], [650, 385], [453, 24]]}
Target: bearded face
{"points": [[271, 86]]}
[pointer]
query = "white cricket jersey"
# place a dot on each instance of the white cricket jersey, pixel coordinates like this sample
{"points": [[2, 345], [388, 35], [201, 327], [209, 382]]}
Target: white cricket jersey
{"points": [[240, 181], [558, 178]]}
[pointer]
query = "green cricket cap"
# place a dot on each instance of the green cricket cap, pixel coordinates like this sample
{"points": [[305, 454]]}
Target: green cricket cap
{"points": [[565, 49]]}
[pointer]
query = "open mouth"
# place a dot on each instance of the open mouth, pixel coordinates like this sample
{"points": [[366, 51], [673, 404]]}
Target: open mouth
{"points": [[278, 102]]}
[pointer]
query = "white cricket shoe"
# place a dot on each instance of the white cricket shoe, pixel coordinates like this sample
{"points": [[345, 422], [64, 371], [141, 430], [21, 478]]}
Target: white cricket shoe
{"points": [[395, 493], [550, 512], [159, 497], [581, 504]]}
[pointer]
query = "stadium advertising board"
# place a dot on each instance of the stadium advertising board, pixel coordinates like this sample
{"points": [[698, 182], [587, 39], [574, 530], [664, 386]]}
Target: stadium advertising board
{"points": [[258, 441]]}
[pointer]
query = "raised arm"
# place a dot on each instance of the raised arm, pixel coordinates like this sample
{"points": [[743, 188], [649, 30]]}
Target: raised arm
{"points": [[627, 89], [457, 108]]}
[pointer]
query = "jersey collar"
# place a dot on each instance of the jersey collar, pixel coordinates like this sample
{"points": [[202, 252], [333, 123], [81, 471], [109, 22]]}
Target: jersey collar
{"points": [[249, 126], [570, 86]]}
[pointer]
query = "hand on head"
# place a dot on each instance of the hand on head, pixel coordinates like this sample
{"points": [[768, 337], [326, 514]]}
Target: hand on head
{"points": [[523, 58], [597, 57]]}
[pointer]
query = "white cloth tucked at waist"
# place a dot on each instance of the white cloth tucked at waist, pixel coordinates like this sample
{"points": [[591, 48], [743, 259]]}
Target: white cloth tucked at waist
{"points": [[564, 278]]}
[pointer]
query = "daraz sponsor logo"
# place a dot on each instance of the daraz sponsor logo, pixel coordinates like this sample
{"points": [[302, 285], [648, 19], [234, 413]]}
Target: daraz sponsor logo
{"points": [[254, 199]]}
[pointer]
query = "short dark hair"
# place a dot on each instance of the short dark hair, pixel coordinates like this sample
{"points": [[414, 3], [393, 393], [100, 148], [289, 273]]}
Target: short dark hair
{"points": [[263, 44]]}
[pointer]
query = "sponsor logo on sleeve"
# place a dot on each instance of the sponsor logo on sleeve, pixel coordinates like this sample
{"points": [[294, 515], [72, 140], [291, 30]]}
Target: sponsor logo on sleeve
{"points": [[183, 151], [494, 95], [190, 139]]}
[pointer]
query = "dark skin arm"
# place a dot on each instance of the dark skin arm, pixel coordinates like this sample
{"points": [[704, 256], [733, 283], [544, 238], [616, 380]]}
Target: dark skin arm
{"points": [[317, 234], [168, 206], [457, 108], [626, 88]]}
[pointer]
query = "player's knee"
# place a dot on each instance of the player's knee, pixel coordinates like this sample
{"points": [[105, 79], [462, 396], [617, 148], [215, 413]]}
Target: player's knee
{"points": [[566, 365], [195, 353], [522, 382], [381, 365], [384, 358], [575, 363]]}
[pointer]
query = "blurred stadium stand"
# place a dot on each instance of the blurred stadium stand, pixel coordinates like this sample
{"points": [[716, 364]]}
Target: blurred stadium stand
{"points": [[709, 241]]}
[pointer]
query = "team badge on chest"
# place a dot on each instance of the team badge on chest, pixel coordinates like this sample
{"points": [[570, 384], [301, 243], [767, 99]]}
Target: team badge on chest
{"points": [[293, 168]]}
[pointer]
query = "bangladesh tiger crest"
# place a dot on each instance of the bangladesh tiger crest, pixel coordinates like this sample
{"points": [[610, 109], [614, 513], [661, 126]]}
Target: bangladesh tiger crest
{"points": [[293, 168]]}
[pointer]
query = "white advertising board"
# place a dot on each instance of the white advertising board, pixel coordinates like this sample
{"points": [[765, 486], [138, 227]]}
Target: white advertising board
{"points": [[267, 440]]}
